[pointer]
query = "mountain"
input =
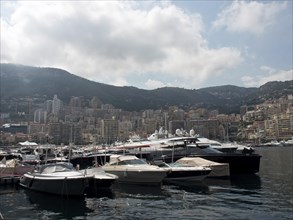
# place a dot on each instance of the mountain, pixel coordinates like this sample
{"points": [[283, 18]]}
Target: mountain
{"points": [[18, 81]]}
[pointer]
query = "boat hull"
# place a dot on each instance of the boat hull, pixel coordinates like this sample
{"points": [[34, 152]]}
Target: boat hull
{"points": [[98, 178], [67, 186], [138, 176], [183, 175]]}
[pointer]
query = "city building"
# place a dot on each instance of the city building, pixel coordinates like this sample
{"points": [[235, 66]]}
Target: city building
{"points": [[40, 116], [56, 105], [110, 130]]}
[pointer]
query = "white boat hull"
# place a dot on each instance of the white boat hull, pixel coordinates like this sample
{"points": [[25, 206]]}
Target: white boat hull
{"points": [[132, 176]]}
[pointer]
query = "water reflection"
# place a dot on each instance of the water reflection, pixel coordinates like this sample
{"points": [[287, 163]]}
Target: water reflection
{"points": [[7, 189], [130, 190], [100, 193], [249, 182], [65, 207], [223, 182], [194, 187]]}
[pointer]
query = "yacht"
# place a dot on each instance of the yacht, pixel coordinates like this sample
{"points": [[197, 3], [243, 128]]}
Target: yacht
{"points": [[243, 161], [133, 170]]}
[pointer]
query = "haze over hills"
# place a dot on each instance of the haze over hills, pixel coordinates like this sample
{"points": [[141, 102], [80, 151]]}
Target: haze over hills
{"points": [[19, 81]]}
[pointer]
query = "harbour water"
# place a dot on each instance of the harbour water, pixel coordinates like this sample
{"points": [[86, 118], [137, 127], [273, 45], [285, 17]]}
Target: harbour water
{"points": [[267, 195]]}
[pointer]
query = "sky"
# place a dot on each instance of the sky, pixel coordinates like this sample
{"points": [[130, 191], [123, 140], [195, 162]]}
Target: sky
{"points": [[152, 44]]}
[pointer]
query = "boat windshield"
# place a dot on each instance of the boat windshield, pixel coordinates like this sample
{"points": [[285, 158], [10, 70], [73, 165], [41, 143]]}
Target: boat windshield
{"points": [[56, 168], [132, 162]]}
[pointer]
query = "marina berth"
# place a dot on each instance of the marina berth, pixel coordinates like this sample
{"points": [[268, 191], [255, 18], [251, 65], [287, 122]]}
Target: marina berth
{"points": [[14, 168], [58, 178], [133, 170]]}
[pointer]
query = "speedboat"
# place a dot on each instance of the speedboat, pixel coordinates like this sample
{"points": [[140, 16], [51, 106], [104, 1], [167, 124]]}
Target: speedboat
{"points": [[221, 170], [59, 178], [132, 170], [98, 178], [181, 172]]}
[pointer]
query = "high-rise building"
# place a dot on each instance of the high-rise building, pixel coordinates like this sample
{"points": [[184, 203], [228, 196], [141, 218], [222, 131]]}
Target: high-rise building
{"points": [[110, 130], [40, 116], [48, 106], [76, 102], [56, 105], [95, 102]]}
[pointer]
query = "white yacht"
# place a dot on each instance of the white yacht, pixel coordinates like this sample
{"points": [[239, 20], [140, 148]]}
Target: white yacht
{"points": [[133, 170]]}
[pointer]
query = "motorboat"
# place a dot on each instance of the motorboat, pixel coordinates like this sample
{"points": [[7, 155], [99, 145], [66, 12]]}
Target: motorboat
{"points": [[221, 170], [287, 143], [98, 178], [184, 173], [130, 169], [273, 143], [56, 178]]}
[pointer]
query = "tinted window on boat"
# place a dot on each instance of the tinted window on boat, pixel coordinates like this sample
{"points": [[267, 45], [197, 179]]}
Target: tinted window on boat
{"points": [[131, 162]]}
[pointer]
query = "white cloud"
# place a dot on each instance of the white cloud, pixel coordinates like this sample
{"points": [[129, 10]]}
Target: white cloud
{"points": [[269, 74], [153, 84], [249, 16], [104, 41]]}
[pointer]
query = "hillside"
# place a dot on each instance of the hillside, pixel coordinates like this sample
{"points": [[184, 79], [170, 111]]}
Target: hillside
{"points": [[19, 81]]}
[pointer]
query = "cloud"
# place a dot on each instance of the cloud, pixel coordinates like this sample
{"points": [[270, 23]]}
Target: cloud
{"points": [[269, 74], [249, 16], [153, 84], [110, 42]]}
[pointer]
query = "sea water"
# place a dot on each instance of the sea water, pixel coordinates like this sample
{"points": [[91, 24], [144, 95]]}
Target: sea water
{"points": [[266, 195]]}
